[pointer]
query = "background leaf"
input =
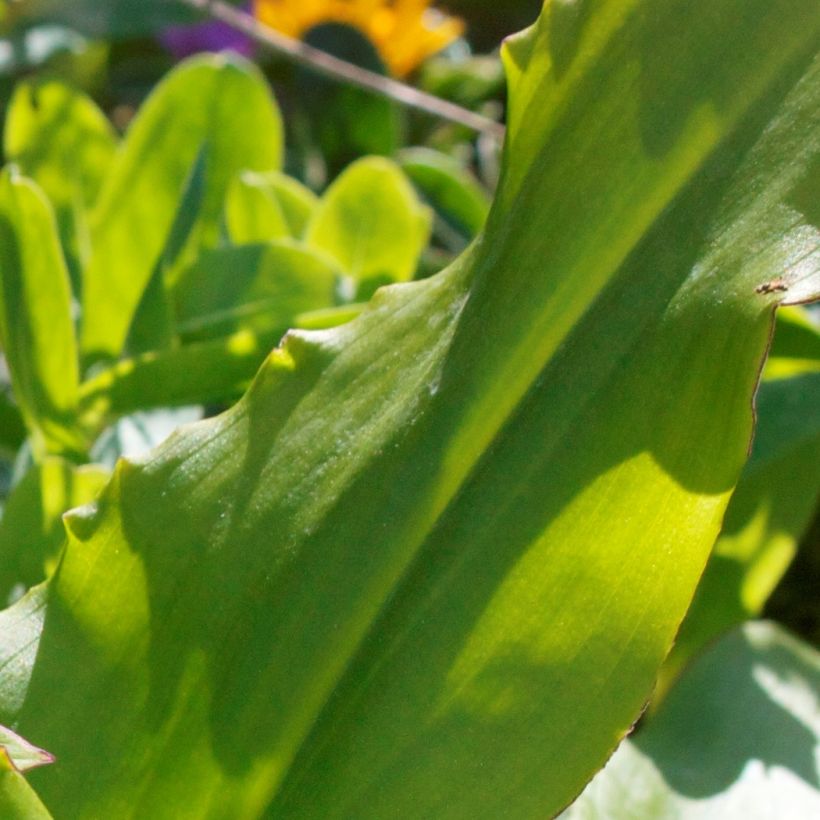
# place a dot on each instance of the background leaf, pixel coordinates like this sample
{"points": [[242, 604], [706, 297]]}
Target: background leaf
{"points": [[371, 222], [35, 317], [737, 739], [57, 136]]}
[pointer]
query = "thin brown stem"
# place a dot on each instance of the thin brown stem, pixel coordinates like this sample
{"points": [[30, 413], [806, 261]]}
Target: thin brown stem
{"points": [[342, 71]]}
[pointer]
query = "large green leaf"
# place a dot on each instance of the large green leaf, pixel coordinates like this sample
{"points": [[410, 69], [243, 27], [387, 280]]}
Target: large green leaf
{"points": [[431, 563], [36, 327], [737, 739], [775, 500], [221, 102]]}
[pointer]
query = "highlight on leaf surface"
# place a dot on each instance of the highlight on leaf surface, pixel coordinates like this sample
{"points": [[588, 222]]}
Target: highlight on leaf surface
{"points": [[432, 561]]}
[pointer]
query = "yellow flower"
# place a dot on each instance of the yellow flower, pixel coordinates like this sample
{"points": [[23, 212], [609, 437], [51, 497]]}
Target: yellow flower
{"points": [[405, 32]]}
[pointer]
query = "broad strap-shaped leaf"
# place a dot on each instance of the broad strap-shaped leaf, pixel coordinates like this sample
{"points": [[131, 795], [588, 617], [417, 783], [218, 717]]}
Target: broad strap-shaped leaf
{"points": [[221, 102], [770, 511], [737, 739], [35, 316], [431, 563]]}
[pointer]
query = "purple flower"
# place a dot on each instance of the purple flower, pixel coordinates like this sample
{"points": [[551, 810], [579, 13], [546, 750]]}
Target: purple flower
{"points": [[183, 41]]}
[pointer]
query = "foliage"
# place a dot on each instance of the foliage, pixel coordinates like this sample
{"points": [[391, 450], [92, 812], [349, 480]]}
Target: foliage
{"points": [[432, 558]]}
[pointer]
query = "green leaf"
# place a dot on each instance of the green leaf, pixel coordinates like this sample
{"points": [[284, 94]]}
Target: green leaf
{"points": [[770, 511], [796, 346], [31, 530], [371, 222], [153, 324], [253, 212], [36, 327], [260, 287], [57, 136], [261, 207], [737, 739], [219, 101], [18, 801], [297, 201], [208, 372], [449, 187], [430, 565], [12, 428]]}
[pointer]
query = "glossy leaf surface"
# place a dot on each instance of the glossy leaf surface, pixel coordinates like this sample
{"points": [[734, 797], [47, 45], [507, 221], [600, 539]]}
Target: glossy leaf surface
{"points": [[431, 563], [737, 739]]}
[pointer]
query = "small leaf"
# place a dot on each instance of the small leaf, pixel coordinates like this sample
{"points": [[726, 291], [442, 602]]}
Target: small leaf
{"points": [[31, 529], [58, 136], [253, 212], [153, 324], [455, 194], [371, 222]]}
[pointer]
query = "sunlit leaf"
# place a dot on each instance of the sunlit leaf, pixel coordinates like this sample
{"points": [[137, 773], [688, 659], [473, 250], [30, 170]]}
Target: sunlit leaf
{"points": [[31, 530], [220, 102], [430, 565], [35, 316], [59, 137], [371, 222]]}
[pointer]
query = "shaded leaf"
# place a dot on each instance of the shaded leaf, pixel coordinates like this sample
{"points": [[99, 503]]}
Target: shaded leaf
{"points": [[737, 739], [449, 187], [260, 287], [431, 563], [35, 316], [31, 530]]}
